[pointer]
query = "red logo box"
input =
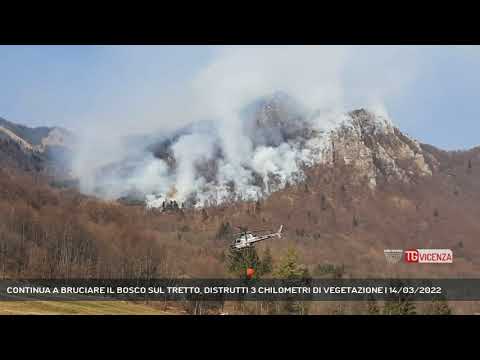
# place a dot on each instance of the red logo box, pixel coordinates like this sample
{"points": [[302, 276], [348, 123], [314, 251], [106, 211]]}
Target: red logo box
{"points": [[429, 256], [411, 256]]}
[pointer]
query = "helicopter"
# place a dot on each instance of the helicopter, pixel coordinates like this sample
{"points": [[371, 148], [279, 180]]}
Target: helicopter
{"points": [[246, 238]]}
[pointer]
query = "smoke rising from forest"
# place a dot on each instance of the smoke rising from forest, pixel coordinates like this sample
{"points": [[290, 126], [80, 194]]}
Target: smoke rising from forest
{"points": [[244, 126]]}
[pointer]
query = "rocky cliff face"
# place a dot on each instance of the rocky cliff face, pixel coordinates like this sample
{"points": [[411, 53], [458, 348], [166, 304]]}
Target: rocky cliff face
{"points": [[378, 150]]}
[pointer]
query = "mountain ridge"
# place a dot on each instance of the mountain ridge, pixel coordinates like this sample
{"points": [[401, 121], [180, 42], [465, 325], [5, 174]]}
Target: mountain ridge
{"points": [[378, 150], [369, 142], [43, 150]]}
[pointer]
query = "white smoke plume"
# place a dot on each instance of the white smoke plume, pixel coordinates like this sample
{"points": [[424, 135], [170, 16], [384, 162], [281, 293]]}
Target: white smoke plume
{"points": [[225, 155]]}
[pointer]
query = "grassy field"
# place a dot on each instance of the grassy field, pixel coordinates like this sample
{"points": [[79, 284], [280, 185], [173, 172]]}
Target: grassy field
{"points": [[79, 308]]}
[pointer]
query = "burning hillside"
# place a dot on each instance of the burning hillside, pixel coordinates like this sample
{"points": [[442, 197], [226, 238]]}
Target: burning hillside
{"points": [[202, 165]]}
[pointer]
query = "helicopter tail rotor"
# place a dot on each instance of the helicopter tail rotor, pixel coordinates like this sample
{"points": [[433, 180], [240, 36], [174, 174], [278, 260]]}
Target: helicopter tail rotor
{"points": [[279, 232]]}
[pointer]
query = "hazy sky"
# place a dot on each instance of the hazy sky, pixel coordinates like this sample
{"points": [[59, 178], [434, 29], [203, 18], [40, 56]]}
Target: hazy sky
{"points": [[435, 97]]}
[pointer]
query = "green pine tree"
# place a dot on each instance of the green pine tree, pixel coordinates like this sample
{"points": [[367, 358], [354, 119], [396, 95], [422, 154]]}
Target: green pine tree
{"points": [[289, 268], [267, 262], [224, 231], [240, 260]]}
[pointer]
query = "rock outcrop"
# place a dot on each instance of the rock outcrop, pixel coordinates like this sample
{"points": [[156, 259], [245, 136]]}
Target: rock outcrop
{"points": [[377, 150]]}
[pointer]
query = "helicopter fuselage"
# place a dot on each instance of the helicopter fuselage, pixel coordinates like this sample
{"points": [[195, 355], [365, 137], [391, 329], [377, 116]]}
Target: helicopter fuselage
{"points": [[248, 239]]}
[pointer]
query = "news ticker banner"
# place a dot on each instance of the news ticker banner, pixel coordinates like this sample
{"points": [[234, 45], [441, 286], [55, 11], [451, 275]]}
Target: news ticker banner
{"points": [[238, 289]]}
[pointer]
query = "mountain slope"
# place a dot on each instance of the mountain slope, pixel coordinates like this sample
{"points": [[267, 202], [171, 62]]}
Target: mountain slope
{"points": [[30, 136], [377, 149], [362, 186], [41, 150]]}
